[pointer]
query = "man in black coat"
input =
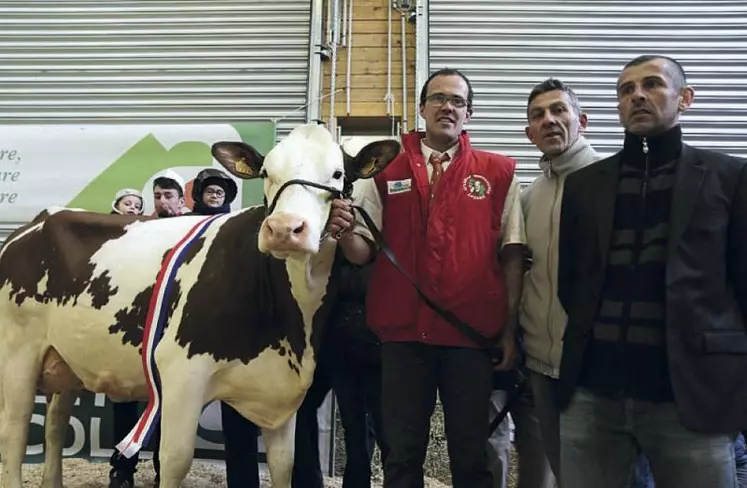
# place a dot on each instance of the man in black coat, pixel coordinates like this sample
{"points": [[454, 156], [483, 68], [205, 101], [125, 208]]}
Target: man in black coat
{"points": [[653, 276]]}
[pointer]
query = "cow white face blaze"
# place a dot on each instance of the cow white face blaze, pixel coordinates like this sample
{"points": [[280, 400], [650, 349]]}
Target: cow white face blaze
{"points": [[299, 214], [302, 174]]}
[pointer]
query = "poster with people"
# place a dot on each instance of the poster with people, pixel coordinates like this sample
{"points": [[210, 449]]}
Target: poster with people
{"points": [[84, 166]]}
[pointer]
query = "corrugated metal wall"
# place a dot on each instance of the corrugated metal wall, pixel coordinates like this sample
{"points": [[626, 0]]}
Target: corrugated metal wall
{"points": [[160, 61], [165, 61], [506, 47]]}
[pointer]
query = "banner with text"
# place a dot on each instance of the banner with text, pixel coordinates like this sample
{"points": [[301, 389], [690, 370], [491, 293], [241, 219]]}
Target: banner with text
{"points": [[84, 166], [90, 432]]}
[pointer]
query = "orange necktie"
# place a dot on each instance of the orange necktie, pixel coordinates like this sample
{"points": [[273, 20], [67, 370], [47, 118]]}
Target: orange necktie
{"points": [[438, 170]]}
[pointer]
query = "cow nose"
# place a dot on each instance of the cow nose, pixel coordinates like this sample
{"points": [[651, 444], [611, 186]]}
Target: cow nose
{"points": [[286, 229]]}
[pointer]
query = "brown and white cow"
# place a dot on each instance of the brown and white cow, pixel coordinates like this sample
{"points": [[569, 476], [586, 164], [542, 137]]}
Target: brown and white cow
{"points": [[244, 314]]}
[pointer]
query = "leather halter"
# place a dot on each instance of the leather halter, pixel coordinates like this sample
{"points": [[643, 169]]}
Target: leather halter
{"points": [[334, 193]]}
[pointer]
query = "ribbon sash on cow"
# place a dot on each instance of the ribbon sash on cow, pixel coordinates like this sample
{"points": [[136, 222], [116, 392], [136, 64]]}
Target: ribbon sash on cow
{"points": [[154, 325]]}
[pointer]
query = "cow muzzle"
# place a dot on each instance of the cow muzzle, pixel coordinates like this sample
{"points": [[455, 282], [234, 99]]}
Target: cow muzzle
{"points": [[285, 233]]}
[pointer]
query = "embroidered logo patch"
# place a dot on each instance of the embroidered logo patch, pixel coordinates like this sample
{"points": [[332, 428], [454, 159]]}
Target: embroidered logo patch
{"points": [[477, 186], [398, 186]]}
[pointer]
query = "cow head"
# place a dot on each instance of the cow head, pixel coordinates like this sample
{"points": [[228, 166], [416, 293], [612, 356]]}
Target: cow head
{"points": [[302, 174]]}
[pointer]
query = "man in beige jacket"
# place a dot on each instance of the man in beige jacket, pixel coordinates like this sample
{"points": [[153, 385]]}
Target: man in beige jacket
{"points": [[555, 125]]}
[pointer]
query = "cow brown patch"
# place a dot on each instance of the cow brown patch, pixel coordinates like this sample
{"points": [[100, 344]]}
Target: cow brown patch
{"points": [[175, 294], [193, 250], [60, 252], [293, 367], [241, 303], [130, 321], [101, 291]]}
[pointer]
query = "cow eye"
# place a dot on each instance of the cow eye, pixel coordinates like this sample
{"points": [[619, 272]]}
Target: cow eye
{"points": [[263, 173], [337, 175]]}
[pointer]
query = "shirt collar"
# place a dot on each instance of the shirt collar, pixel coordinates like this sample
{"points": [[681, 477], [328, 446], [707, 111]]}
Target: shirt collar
{"points": [[427, 151]]}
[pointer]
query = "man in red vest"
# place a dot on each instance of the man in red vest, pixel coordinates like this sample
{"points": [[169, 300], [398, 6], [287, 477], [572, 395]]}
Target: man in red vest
{"points": [[452, 216]]}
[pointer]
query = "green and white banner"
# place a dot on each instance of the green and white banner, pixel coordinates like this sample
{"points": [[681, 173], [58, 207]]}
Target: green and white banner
{"points": [[84, 166]]}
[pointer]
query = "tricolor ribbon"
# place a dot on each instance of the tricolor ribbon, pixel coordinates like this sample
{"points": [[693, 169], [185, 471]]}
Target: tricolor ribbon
{"points": [[154, 325]]}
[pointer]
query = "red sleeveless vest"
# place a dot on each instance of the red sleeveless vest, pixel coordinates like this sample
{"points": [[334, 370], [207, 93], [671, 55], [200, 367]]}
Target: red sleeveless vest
{"points": [[451, 247]]}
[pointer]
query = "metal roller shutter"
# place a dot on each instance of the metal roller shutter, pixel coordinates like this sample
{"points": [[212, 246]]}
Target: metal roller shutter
{"points": [[65, 61], [506, 47]]}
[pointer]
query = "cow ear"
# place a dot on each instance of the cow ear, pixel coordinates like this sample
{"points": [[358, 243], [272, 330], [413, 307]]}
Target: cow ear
{"points": [[240, 159], [371, 160]]}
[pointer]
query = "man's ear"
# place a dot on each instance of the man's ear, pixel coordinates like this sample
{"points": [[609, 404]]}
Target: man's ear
{"points": [[239, 158], [686, 98], [583, 122], [371, 160], [528, 133]]}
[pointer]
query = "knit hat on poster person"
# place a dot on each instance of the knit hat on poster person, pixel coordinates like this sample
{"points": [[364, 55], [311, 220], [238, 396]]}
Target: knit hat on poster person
{"points": [[127, 192], [212, 176]]}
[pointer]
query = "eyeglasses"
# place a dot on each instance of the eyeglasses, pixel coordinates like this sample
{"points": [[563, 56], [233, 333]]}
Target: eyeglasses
{"points": [[217, 193], [440, 99]]}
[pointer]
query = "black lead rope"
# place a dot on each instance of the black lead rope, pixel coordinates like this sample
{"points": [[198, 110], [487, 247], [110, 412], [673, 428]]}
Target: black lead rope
{"points": [[487, 343], [511, 399]]}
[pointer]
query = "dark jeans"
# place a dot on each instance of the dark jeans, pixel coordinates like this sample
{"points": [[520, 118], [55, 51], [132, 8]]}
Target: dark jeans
{"points": [[412, 374], [242, 465], [125, 416], [544, 389], [601, 439], [643, 478], [740, 457], [356, 382]]}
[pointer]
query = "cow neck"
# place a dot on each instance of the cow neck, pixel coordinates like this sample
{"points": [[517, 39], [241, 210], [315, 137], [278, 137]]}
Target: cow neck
{"points": [[309, 279]]}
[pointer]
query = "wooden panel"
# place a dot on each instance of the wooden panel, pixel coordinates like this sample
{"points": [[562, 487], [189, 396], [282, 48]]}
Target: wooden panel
{"points": [[377, 39], [369, 55], [370, 26], [370, 81], [371, 94], [367, 109], [366, 4], [369, 63], [375, 12], [373, 68]]}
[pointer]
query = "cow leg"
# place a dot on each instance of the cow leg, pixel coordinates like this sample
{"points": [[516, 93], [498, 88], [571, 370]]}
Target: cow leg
{"points": [[20, 372], [183, 400], [55, 426], [280, 445]]}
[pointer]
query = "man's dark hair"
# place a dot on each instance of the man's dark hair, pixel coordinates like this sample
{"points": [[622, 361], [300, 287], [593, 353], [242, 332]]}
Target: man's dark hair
{"points": [[551, 84], [678, 72], [447, 72], [168, 184]]}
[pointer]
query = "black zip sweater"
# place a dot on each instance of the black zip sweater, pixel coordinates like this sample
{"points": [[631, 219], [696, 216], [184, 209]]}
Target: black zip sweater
{"points": [[626, 356]]}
